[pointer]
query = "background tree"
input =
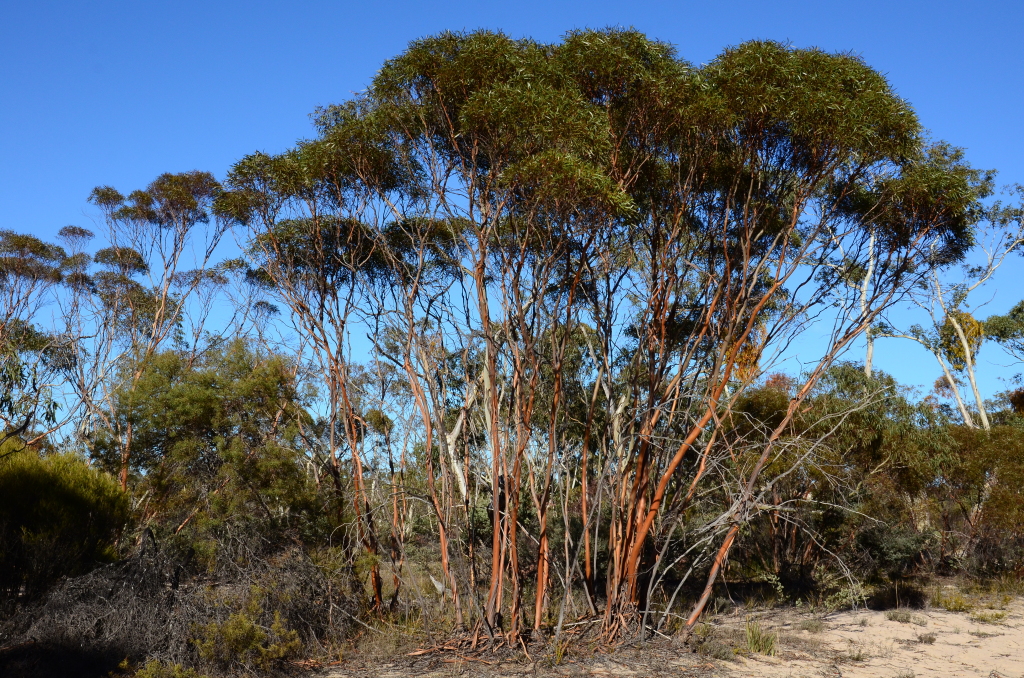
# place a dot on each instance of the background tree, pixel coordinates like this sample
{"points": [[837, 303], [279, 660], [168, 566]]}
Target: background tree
{"points": [[161, 246], [31, 356], [955, 336]]}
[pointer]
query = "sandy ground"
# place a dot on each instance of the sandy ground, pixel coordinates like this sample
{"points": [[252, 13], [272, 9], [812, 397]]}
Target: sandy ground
{"points": [[862, 644], [647, 662], [858, 644]]}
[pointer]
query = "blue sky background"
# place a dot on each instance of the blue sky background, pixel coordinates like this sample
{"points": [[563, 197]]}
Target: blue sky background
{"points": [[117, 92]]}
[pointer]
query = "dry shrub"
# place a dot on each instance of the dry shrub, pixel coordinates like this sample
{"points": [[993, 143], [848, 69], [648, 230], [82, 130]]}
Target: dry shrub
{"points": [[811, 625], [256, 609]]}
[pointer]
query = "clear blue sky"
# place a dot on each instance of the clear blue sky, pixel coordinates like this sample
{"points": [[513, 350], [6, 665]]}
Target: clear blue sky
{"points": [[115, 93]]}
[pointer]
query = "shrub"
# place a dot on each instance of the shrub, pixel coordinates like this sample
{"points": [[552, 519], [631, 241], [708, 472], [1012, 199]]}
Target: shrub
{"points": [[240, 642], [955, 602], [258, 608], [159, 669], [811, 625], [893, 551], [707, 645], [717, 650], [58, 518], [904, 617], [901, 616], [993, 617]]}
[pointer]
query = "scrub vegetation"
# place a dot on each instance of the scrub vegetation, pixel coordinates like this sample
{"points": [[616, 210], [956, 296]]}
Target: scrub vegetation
{"points": [[504, 353]]}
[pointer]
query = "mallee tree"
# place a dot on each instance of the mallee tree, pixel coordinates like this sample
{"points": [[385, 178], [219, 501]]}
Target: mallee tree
{"points": [[689, 222]]}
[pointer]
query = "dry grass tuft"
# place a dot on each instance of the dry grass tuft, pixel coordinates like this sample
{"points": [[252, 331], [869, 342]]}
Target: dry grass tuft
{"points": [[811, 625]]}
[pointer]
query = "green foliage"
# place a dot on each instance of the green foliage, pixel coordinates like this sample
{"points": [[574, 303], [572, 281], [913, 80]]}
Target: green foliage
{"points": [[989, 616], [877, 446], [241, 642], [553, 125], [27, 259], [58, 518], [893, 550], [984, 471], [1008, 329], [124, 260], [170, 200], [953, 602], [952, 344], [24, 400], [30, 356], [217, 439]]}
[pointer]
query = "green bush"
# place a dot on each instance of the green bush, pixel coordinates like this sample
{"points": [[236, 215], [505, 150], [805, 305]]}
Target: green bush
{"points": [[894, 550], [58, 518], [952, 603], [904, 617], [242, 642]]}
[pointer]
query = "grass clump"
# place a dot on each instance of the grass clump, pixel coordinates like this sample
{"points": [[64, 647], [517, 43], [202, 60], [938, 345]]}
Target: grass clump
{"points": [[760, 640], [709, 646], [717, 650], [904, 617], [955, 602], [811, 625], [989, 616], [926, 638], [901, 616]]}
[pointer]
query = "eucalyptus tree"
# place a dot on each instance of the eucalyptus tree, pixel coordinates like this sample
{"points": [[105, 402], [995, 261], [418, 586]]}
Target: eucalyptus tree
{"points": [[31, 273], [310, 214], [509, 202], [161, 242], [954, 336], [1008, 330], [29, 269], [512, 158], [758, 177]]}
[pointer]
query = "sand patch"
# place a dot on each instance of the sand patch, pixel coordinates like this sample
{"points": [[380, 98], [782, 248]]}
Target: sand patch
{"points": [[904, 643]]}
